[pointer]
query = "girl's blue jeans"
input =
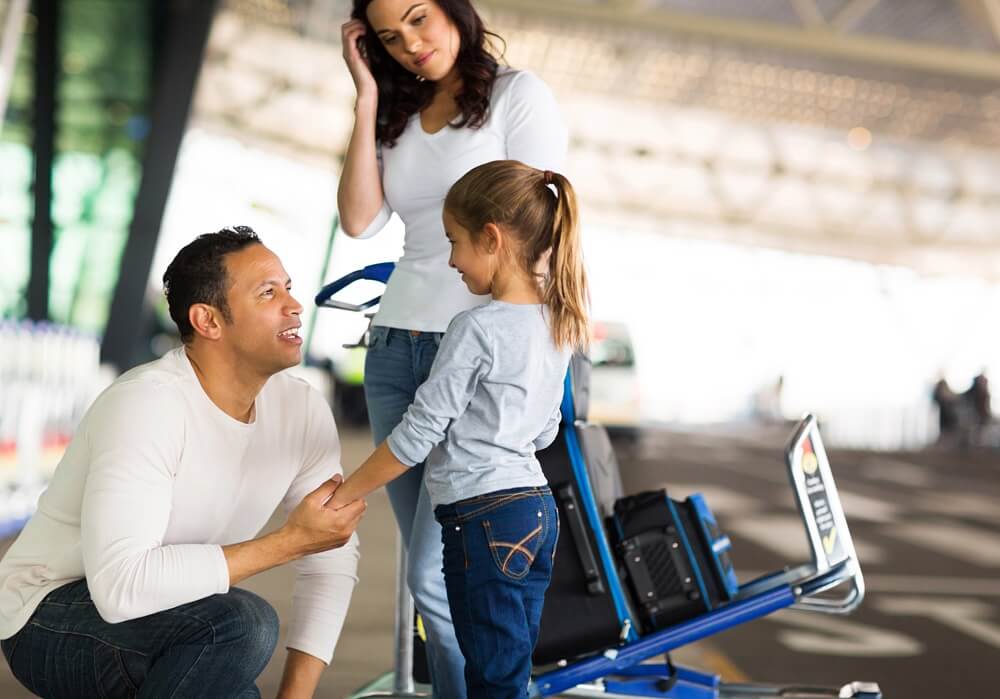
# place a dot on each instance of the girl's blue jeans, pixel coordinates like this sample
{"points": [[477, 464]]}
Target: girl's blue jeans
{"points": [[397, 362], [498, 551]]}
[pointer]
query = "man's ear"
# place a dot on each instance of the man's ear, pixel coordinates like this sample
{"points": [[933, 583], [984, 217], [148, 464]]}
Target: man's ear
{"points": [[206, 320], [492, 238]]}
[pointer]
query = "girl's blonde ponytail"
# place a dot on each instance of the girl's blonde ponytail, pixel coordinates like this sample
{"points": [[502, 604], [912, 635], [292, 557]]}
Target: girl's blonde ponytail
{"points": [[566, 289]]}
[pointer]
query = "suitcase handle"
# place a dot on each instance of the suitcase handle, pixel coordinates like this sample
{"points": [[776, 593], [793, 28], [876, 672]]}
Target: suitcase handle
{"points": [[570, 505]]}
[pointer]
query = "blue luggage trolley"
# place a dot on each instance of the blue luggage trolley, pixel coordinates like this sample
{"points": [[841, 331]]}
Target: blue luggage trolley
{"points": [[831, 583]]}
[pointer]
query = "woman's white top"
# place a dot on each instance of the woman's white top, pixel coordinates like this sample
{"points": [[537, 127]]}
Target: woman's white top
{"points": [[524, 124]]}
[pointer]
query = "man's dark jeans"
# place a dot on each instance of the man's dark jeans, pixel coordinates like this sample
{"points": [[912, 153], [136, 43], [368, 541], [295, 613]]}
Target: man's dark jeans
{"points": [[498, 552], [215, 647]]}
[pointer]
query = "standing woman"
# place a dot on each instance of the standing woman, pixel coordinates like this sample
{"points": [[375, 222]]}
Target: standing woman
{"points": [[433, 102]]}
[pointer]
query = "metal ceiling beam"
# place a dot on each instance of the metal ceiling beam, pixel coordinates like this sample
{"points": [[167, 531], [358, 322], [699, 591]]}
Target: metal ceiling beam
{"points": [[43, 144], [809, 13], [830, 239], [992, 8], [186, 36], [814, 41], [852, 13], [13, 23]]}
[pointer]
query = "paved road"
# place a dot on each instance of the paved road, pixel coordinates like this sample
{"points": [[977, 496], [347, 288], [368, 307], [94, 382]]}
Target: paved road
{"points": [[926, 529]]}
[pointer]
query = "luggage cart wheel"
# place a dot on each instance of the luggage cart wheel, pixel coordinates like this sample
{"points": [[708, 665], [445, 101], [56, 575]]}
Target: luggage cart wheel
{"points": [[860, 690]]}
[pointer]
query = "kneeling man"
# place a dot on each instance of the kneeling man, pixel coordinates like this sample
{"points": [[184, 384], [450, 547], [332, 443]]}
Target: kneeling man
{"points": [[122, 582]]}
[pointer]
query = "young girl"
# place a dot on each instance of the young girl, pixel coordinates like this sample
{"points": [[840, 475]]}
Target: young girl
{"points": [[492, 399]]}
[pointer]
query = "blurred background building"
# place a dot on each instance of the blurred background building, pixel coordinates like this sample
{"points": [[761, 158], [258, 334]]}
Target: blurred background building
{"points": [[788, 205], [800, 189], [804, 189]]}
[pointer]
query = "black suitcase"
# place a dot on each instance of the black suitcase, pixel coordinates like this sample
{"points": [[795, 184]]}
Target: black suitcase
{"points": [[676, 561], [585, 605]]}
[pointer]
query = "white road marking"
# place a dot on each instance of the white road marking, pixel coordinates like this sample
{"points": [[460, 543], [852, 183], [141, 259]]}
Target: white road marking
{"points": [[959, 541], [867, 508], [967, 616], [898, 472], [826, 635], [971, 505], [908, 584], [786, 536], [933, 585]]}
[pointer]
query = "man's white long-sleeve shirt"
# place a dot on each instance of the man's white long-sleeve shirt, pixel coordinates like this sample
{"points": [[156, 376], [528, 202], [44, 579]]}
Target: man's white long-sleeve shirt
{"points": [[157, 480]]}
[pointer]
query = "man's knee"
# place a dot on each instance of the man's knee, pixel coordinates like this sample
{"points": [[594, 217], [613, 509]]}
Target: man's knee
{"points": [[259, 617], [248, 621]]}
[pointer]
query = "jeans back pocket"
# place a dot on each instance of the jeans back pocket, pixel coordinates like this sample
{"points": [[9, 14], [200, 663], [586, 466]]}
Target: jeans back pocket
{"points": [[515, 533]]}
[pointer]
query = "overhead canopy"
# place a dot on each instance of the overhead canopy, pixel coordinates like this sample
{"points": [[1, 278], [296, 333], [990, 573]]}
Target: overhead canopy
{"points": [[861, 128]]}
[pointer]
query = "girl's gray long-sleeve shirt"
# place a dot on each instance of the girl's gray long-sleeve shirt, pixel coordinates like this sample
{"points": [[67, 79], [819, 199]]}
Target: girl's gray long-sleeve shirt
{"points": [[492, 399]]}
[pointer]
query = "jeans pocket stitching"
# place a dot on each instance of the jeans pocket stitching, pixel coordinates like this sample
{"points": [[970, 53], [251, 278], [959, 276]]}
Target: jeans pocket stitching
{"points": [[98, 685], [491, 505], [465, 549], [514, 548], [519, 546], [124, 670], [13, 646], [555, 544], [83, 634]]}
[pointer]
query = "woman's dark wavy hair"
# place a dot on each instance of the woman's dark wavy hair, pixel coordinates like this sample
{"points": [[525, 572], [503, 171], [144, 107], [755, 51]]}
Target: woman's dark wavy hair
{"points": [[401, 95]]}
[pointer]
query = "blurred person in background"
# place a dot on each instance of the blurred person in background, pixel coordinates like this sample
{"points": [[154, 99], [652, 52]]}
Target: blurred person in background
{"points": [[979, 410], [123, 580], [433, 102], [947, 404], [979, 398]]}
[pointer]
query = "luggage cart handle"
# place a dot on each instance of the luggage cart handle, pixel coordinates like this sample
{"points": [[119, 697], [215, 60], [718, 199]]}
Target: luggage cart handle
{"points": [[568, 499], [379, 272], [808, 591], [835, 560]]}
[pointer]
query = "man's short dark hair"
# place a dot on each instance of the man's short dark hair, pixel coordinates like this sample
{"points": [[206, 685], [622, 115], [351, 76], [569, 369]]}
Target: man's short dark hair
{"points": [[197, 274]]}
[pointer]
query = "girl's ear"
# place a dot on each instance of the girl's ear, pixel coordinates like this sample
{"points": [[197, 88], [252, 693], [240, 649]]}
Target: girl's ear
{"points": [[491, 238]]}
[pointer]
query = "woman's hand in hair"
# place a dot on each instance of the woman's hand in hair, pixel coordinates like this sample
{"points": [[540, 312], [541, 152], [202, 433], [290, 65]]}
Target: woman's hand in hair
{"points": [[351, 34]]}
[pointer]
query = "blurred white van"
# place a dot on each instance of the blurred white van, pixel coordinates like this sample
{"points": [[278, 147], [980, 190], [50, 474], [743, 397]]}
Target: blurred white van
{"points": [[614, 383]]}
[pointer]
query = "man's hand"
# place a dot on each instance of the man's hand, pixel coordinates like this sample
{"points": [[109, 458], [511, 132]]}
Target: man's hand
{"points": [[301, 676], [313, 527]]}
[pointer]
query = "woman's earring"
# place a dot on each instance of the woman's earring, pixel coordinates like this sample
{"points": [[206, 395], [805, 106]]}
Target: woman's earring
{"points": [[421, 79]]}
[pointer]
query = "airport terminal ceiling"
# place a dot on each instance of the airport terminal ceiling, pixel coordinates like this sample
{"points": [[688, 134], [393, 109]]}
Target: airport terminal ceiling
{"points": [[867, 129]]}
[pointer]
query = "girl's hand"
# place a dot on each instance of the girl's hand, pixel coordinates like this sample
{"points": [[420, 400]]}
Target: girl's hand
{"points": [[364, 81], [336, 503]]}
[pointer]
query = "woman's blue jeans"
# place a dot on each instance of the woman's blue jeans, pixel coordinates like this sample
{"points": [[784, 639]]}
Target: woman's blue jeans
{"points": [[215, 647], [498, 551], [397, 362]]}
